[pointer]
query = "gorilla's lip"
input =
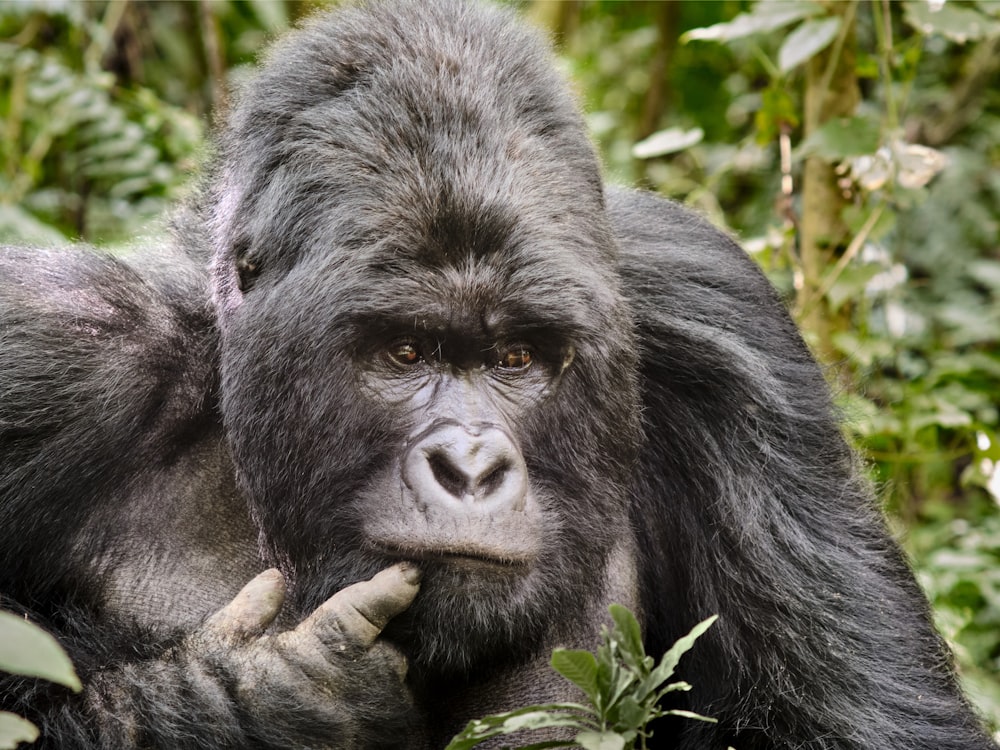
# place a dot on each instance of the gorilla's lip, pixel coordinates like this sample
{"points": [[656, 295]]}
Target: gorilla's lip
{"points": [[472, 556]]}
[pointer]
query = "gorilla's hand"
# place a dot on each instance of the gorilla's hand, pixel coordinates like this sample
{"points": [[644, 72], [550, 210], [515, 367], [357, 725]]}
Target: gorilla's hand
{"points": [[328, 683]]}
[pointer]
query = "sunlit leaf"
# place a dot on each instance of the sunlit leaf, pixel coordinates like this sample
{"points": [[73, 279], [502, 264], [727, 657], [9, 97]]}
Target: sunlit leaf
{"points": [[14, 730], [811, 37], [274, 16], [691, 715], [600, 741], [957, 23], [570, 715], [667, 141], [766, 16], [27, 649]]}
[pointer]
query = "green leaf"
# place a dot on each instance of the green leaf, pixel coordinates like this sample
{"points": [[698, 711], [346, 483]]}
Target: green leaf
{"points": [[673, 687], [628, 629], [17, 224], [670, 659], [957, 23], [631, 713], [600, 741], [777, 109], [851, 283], [668, 141], [985, 272], [842, 138], [571, 715], [27, 649], [14, 729], [623, 681], [691, 715], [946, 415], [766, 16], [808, 39], [856, 216], [274, 16], [579, 667], [607, 674]]}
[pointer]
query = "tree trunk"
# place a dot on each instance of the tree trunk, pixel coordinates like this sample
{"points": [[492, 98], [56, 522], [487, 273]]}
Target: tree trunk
{"points": [[831, 91]]}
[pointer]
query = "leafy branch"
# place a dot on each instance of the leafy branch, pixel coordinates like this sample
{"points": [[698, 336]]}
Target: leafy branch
{"points": [[623, 686]]}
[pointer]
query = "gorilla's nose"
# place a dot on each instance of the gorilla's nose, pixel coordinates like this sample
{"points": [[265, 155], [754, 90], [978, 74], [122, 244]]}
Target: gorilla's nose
{"points": [[475, 466]]}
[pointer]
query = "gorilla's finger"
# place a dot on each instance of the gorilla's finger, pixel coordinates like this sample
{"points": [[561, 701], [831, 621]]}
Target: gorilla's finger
{"points": [[357, 614], [253, 608]]}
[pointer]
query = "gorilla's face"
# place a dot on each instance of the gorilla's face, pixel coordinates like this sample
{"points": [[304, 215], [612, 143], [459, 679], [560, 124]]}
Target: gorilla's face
{"points": [[425, 353], [464, 399]]}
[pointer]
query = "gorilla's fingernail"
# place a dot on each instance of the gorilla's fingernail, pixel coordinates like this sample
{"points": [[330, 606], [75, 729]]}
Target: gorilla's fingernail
{"points": [[411, 573]]}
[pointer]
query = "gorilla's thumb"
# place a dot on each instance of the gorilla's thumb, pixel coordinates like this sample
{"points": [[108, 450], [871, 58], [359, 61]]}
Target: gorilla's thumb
{"points": [[357, 614], [252, 609]]}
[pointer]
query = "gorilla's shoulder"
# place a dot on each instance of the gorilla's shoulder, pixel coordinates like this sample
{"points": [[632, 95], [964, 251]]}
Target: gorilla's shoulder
{"points": [[93, 342], [660, 237], [130, 311], [699, 299], [672, 259]]}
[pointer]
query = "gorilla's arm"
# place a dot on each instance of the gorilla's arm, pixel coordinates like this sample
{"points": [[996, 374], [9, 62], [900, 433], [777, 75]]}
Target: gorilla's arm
{"points": [[325, 683], [764, 519], [121, 531]]}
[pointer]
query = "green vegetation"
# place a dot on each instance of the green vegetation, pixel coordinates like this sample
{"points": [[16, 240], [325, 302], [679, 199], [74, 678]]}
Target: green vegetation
{"points": [[27, 649], [623, 687]]}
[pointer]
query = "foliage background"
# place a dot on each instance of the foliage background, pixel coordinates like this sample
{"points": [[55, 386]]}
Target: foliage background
{"points": [[105, 110]]}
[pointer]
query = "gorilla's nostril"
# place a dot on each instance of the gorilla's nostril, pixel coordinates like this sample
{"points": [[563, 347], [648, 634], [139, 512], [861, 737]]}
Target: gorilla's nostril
{"points": [[447, 475], [488, 484]]}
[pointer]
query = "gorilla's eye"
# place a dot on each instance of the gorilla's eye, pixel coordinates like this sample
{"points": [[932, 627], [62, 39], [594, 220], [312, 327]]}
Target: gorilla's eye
{"points": [[246, 272], [517, 357], [404, 353]]}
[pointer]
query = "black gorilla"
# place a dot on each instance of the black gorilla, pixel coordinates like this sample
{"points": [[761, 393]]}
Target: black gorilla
{"points": [[407, 341]]}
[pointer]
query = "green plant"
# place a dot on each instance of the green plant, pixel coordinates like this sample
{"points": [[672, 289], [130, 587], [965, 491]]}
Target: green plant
{"points": [[27, 649], [623, 687]]}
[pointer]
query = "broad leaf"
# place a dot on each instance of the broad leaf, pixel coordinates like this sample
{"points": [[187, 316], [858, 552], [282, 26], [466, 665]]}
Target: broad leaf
{"points": [[27, 649], [811, 37], [766, 16], [631, 713], [668, 141], [14, 729], [628, 629], [600, 741], [851, 283], [579, 667], [571, 715], [957, 23]]}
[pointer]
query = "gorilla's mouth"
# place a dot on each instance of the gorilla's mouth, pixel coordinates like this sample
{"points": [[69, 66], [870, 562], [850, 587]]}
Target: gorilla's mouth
{"points": [[470, 555], [460, 534]]}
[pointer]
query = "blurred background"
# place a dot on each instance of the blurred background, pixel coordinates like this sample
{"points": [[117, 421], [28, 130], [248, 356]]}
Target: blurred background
{"points": [[853, 146]]}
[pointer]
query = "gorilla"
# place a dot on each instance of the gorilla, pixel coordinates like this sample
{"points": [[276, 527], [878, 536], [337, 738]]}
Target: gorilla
{"points": [[410, 398]]}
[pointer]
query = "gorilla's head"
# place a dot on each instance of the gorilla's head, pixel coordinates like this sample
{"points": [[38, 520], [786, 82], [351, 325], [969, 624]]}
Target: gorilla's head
{"points": [[425, 353]]}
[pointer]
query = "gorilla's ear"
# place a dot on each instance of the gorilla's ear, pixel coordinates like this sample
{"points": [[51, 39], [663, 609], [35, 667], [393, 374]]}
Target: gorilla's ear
{"points": [[226, 251]]}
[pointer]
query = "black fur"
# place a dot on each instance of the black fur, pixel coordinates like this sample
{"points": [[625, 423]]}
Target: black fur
{"points": [[417, 173]]}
